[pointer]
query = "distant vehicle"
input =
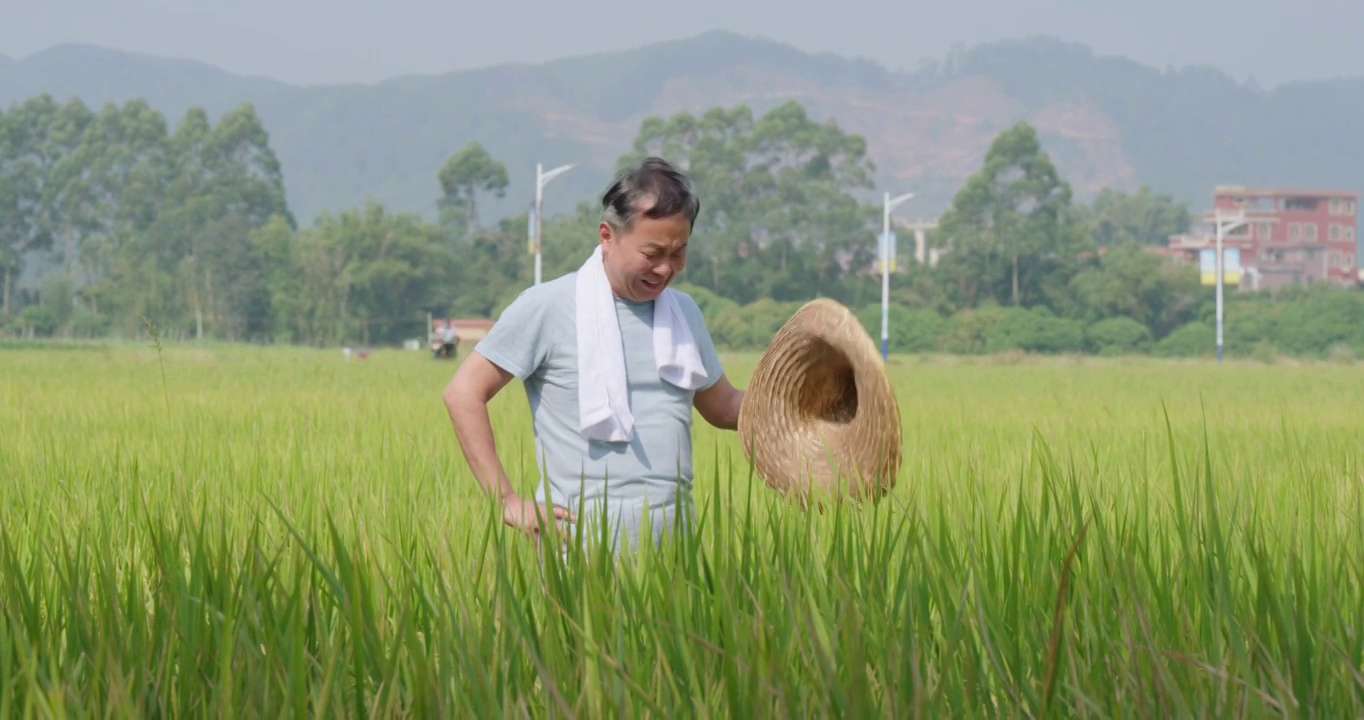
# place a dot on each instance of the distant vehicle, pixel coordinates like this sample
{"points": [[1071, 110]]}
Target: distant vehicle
{"points": [[444, 340]]}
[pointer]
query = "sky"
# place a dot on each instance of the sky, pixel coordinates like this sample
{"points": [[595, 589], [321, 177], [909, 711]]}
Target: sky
{"points": [[334, 41]]}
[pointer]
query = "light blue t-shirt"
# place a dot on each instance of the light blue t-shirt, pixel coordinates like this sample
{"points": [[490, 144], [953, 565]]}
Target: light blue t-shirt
{"points": [[535, 339]]}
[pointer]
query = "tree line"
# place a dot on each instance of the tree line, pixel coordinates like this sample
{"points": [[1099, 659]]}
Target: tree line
{"points": [[124, 217], [128, 221]]}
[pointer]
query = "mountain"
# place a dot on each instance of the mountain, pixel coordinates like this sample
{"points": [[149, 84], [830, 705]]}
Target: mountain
{"points": [[1108, 122]]}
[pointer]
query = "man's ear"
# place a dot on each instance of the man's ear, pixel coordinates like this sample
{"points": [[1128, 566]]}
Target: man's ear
{"points": [[604, 233]]}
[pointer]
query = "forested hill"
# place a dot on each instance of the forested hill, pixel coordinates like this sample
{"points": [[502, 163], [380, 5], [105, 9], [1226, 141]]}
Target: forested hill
{"points": [[1106, 121]]}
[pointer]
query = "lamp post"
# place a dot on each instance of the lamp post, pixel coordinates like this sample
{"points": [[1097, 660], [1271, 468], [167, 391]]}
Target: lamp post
{"points": [[886, 254], [1223, 224], [542, 178]]}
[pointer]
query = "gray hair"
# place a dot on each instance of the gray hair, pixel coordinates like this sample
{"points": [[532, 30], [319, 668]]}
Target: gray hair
{"points": [[654, 178]]}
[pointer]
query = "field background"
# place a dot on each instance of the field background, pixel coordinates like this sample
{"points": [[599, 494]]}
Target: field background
{"points": [[149, 561]]}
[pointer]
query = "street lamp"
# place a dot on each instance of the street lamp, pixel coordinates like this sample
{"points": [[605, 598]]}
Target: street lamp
{"points": [[542, 178], [887, 254], [1223, 224]]}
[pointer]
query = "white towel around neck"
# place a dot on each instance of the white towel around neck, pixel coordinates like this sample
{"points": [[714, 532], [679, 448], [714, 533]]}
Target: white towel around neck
{"points": [[603, 398]]}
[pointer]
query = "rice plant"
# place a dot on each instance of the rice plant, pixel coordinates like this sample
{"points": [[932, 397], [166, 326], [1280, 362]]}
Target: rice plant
{"points": [[225, 530]]}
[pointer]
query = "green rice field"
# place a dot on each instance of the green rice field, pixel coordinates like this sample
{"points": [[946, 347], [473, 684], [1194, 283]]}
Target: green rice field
{"points": [[267, 532]]}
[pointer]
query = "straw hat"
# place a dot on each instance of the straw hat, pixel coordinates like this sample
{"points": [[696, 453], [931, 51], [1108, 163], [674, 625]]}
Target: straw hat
{"points": [[820, 408]]}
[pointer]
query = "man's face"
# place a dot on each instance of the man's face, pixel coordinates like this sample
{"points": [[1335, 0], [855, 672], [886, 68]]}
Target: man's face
{"points": [[642, 260]]}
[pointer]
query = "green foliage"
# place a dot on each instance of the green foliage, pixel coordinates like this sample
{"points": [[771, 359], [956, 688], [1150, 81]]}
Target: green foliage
{"points": [[1304, 322], [778, 217], [1035, 330], [1145, 218], [912, 330], [968, 332], [38, 320], [1128, 281], [1010, 232], [750, 326], [1195, 339], [367, 276], [139, 221], [1119, 336], [709, 302], [466, 174]]}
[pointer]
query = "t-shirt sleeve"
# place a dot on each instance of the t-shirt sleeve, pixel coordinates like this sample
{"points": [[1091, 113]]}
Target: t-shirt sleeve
{"points": [[515, 342], [704, 344]]}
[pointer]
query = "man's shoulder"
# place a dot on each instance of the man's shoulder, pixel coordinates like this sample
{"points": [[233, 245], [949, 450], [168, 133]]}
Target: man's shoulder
{"points": [[554, 289], [526, 333], [548, 295]]}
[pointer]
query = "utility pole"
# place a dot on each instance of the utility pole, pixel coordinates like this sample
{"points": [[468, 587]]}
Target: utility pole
{"points": [[542, 178], [886, 252], [1223, 224]]}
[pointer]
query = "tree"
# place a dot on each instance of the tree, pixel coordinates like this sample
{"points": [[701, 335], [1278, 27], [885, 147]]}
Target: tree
{"points": [[125, 155], [19, 232], [365, 275], [466, 174], [1010, 231], [223, 182], [140, 221], [1146, 218], [778, 218], [1128, 281]]}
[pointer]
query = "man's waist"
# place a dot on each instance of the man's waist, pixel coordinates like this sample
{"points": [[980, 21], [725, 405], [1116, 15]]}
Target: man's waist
{"points": [[633, 495]]}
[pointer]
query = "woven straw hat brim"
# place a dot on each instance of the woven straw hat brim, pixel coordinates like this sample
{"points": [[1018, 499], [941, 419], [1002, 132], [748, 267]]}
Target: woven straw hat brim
{"points": [[820, 413]]}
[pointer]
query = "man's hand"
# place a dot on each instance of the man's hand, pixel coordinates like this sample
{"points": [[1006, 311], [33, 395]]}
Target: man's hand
{"points": [[526, 516], [467, 397], [719, 404]]}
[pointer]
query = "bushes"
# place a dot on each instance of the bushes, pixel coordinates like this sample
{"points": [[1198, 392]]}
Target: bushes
{"points": [[749, 327], [1325, 323], [911, 330], [995, 330], [1191, 340], [990, 330], [1119, 336], [1037, 331], [981, 331]]}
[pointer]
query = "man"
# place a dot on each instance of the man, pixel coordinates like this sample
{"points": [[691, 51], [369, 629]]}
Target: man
{"points": [[450, 338], [613, 361]]}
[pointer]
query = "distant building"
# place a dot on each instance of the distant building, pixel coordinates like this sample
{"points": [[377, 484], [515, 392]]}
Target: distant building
{"points": [[1291, 236]]}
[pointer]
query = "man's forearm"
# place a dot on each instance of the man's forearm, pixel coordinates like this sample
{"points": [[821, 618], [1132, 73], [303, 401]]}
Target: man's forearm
{"points": [[730, 419], [474, 429]]}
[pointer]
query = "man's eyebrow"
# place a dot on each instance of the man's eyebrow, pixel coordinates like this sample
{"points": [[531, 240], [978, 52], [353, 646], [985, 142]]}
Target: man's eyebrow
{"points": [[657, 245]]}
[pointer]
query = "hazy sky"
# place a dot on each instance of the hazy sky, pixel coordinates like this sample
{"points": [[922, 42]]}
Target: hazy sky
{"points": [[316, 41]]}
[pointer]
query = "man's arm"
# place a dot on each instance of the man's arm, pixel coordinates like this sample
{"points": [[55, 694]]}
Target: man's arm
{"points": [[466, 399], [719, 404]]}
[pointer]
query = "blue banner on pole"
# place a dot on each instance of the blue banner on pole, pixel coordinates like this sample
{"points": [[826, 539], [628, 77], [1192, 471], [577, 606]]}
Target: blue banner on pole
{"points": [[1231, 266], [530, 231], [885, 252]]}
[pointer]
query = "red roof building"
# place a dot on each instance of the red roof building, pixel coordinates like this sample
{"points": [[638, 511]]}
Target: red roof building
{"points": [[1291, 236]]}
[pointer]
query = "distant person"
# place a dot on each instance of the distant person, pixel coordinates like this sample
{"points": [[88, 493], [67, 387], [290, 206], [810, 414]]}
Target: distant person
{"points": [[613, 361], [448, 336]]}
